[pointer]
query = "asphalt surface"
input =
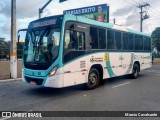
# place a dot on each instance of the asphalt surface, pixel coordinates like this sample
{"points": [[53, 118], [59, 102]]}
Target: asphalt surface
{"points": [[117, 94]]}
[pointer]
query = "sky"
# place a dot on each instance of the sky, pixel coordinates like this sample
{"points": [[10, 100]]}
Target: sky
{"points": [[125, 12]]}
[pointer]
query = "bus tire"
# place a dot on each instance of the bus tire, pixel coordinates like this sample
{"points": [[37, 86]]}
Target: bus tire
{"points": [[135, 71], [93, 79]]}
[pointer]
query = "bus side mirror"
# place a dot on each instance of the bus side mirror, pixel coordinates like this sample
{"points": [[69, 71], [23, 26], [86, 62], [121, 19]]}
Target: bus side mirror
{"points": [[18, 38], [21, 35]]}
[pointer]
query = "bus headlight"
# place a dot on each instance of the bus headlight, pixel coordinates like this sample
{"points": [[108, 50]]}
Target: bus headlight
{"points": [[53, 71]]}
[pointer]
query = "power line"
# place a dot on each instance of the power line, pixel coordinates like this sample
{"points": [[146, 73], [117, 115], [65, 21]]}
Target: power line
{"points": [[155, 10], [152, 14], [135, 1], [139, 21], [130, 2], [147, 10], [142, 2], [154, 19]]}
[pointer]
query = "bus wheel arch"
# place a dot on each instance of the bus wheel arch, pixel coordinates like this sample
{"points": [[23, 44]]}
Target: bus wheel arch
{"points": [[95, 70], [96, 73], [137, 62], [99, 68], [135, 70]]}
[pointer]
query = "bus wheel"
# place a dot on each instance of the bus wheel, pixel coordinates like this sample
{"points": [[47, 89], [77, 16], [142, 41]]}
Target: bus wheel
{"points": [[93, 79], [135, 71]]}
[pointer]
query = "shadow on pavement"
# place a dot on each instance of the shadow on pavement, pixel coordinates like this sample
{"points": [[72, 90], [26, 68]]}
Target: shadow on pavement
{"points": [[51, 92]]}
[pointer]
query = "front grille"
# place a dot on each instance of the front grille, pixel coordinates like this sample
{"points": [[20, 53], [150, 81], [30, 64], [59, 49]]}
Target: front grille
{"points": [[36, 80], [37, 67]]}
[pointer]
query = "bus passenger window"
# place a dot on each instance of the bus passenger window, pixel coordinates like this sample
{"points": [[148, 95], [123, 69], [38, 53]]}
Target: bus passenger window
{"points": [[118, 40], [147, 44], [110, 40], [125, 41], [102, 38], [94, 38], [74, 40], [138, 42], [130, 42]]}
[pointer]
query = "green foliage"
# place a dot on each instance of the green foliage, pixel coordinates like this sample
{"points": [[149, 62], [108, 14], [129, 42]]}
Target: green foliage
{"points": [[5, 49], [3, 44], [156, 38]]}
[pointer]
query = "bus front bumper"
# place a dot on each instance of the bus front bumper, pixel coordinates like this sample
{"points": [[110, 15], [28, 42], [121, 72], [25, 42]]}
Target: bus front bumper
{"points": [[55, 81]]}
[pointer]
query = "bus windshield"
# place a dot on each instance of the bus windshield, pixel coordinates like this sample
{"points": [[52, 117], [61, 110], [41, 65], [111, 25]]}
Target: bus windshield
{"points": [[41, 46]]}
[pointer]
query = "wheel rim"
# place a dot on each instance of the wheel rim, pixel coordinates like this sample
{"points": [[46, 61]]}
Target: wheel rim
{"points": [[93, 79]]}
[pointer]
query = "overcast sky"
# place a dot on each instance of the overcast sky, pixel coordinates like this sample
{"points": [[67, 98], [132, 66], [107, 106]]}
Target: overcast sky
{"points": [[125, 12]]}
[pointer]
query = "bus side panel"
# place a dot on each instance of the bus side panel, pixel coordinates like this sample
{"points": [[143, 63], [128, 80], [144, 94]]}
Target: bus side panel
{"points": [[98, 59], [127, 62], [55, 81], [111, 64], [138, 56], [116, 64], [147, 60], [75, 72]]}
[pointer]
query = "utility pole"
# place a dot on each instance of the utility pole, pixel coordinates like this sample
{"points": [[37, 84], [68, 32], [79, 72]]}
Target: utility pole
{"points": [[141, 15], [41, 9], [13, 47], [114, 21]]}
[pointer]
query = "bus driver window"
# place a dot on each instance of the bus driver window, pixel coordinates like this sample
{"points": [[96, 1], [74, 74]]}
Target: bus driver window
{"points": [[74, 40]]}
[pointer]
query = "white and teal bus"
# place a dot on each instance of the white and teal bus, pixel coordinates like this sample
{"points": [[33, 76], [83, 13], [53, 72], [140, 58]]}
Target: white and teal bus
{"points": [[67, 50]]}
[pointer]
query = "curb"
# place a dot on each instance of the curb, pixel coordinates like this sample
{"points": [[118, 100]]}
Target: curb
{"points": [[10, 80]]}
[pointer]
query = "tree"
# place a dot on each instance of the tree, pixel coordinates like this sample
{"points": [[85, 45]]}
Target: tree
{"points": [[4, 48], [156, 38]]}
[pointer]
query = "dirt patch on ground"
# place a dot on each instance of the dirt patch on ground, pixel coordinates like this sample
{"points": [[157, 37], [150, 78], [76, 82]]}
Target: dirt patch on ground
{"points": [[156, 60]]}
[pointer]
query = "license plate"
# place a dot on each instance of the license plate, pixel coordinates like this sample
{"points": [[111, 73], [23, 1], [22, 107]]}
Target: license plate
{"points": [[33, 83]]}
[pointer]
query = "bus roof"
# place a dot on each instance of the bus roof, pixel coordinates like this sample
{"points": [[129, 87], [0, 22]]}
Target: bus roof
{"points": [[50, 21], [107, 25]]}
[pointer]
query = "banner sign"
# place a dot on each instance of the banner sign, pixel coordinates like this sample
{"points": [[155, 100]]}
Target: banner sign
{"points": [[97, 12], [53, 20], [40, 114]]}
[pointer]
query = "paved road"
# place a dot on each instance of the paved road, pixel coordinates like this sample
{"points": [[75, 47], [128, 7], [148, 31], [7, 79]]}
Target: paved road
{"points": [[117, 94]]}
